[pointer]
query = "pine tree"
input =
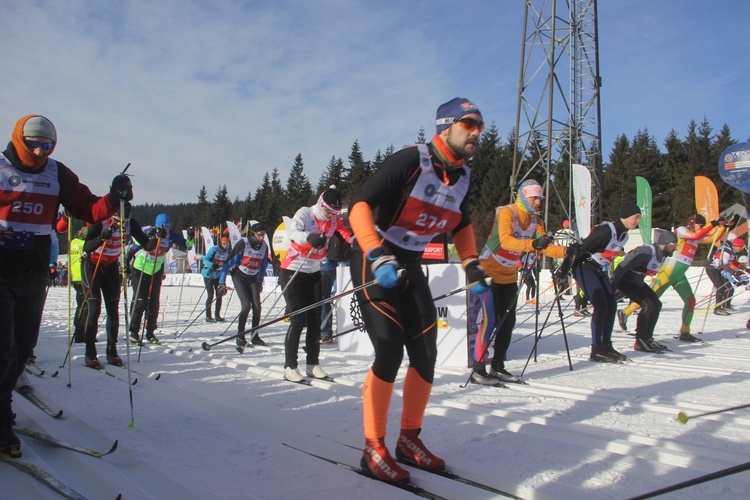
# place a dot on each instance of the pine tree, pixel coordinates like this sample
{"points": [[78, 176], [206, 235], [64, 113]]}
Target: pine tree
{"points": [[298, 189], [680, 183], [421, 137], [489, 180], [237, 211], [221, 207], [260, 204], [615, 172], [333, 175], [204, 208], [275, 208], [247, 206], [645, 160], [377, 161], [357, 172]]}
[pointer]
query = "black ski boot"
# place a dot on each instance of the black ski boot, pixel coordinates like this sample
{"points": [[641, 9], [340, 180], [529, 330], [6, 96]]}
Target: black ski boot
{"points": [[135, 339], [480, 376], [599, 355], [10, 445], [612, 352]]}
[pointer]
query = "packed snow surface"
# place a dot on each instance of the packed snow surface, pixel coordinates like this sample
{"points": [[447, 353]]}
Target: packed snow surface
{"points": [[219, 424]]}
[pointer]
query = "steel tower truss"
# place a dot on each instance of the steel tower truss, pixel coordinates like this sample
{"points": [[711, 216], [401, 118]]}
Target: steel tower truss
{"points": [[558, 116]]}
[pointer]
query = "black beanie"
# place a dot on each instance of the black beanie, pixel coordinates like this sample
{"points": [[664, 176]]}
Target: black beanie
{"points": [[666, 237], [332, 198], [628, 210], [258, 227]]}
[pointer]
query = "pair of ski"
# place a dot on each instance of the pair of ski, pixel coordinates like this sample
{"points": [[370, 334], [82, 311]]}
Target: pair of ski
{"points": [[496, 382], [101, 370], [308, 381], [407, 485], [34, 399], [33, 368], [241, 349], [41, 475]]}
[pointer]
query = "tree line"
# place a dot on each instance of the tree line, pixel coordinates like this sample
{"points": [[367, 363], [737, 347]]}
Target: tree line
{"points": [[670, 173]]}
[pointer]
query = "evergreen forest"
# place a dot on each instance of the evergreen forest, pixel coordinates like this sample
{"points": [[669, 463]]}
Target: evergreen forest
{"points": [[670, 169]]}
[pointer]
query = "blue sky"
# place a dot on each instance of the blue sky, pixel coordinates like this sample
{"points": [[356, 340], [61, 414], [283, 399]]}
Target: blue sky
{"points": [[199, 93]]}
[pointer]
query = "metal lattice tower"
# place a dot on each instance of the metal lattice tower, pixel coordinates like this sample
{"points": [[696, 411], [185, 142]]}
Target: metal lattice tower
{"points": [[558, 116]]}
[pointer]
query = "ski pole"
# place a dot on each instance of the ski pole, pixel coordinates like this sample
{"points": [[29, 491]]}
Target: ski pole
{"points": [[281, 294], [147, 308], [85, 299], [125, 303], [361, 326], [698, 480], [487, 281], [194, 319], [682, 417], [714, 306], [198, 302], [491, 339], [70, 284], [226, 307], [238, 314], [206, 346], [179, 301]]}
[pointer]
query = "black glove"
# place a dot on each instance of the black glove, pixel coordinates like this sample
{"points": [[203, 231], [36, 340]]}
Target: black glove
{"points": [[191, 233], [53, 272], [542, 242], [221, 290], [121, 188], [161, 232], [317, 240], [214, 266], [475, 274], [151, 233], [733, 223], [106, 234], [572, 249], [719, 222]]}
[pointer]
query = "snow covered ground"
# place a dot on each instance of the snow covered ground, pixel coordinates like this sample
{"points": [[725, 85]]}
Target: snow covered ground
{"points": [[215, 423]]}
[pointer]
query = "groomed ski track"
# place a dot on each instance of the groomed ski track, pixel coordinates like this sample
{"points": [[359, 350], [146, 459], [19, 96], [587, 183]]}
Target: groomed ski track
{"points": [[603, 454]]}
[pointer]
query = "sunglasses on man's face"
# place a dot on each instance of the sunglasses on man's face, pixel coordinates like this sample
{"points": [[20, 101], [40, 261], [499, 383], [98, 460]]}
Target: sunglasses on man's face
{"points": [[46, 146], [471, 124]]}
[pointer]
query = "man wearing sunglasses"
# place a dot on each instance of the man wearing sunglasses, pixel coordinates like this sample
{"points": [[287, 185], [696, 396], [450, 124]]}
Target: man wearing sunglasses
{"points": [[32, 188], [418, 193]]}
